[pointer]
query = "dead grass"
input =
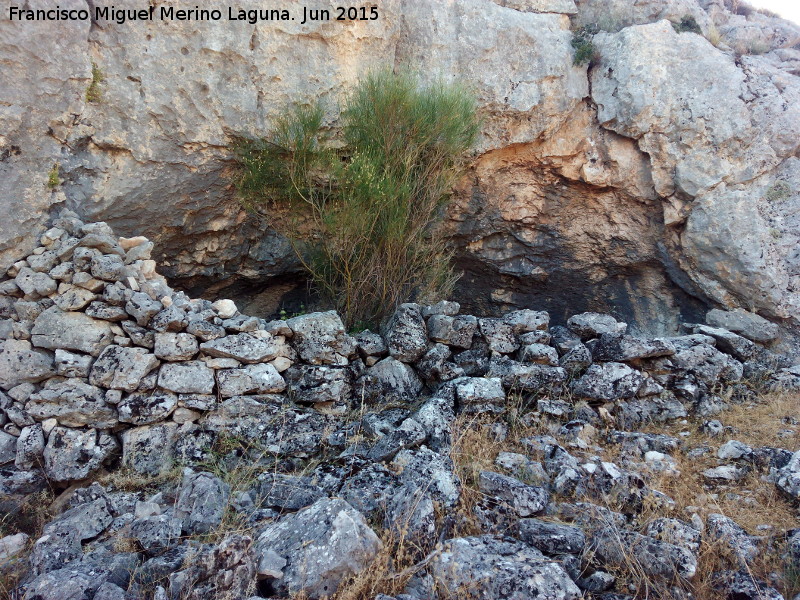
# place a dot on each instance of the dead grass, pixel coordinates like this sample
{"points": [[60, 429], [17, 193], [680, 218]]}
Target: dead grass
{"points": [[125, 479], [475, 446], [760, 423], [31, 517], [750, 502], [714, 36], [388, 573]]}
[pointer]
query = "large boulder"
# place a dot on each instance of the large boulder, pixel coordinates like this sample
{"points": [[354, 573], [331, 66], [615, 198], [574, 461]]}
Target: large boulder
{"points": [[733, 150], [320, 338], [494, 567], [314, 549], [74, 454], [55, 328], [122, 368]]}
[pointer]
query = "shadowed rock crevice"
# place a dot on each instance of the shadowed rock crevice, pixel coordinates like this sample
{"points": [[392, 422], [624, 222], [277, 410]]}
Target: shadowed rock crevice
{"points": [[526, 234]]}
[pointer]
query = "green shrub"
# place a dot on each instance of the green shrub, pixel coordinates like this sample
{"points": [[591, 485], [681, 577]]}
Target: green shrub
{"points": [[585, 50], [93, 93], [688, 24], [52, 177], [362, 217]]}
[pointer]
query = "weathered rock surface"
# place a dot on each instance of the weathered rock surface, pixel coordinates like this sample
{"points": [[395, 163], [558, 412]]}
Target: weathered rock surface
{"points": [[314, 549], [74, 404], [320, 338], [73, 454], [496, 567], [55, 328], [656, 558], [201, 502], [122, 368], [20, 363]]}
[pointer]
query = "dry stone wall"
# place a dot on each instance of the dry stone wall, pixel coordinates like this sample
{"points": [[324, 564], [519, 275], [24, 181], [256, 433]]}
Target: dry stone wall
{"points": [[105, 370], [101, 362]]}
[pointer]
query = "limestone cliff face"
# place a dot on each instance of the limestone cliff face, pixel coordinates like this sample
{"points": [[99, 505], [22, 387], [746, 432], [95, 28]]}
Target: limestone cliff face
{"points": [[659, 181]]}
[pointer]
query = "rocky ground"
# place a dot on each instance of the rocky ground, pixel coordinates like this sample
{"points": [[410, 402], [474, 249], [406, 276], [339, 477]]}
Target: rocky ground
{"points": [[155, 446]]}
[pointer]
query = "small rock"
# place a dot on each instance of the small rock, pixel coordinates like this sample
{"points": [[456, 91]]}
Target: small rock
{"points": [[73, 454], [149, 449], [726, 531], [525, 499], [225, 308], [539, 354], [741, 585], [552, 538], [261, 379], [175, 346], [499, 335], [157, 533], [733, 450], [407, 334], [244, 347], [286, 492], [108, 267], [737, 346], [192, 377], [725, 474], [617, 547], [122, 368], [320, 338], [21, 363], [592, 325], [480, 391], [30, 448], [608, 381], [142, 308], [73, 298], [453, 331], [146, 408], [72, 365], [201, 502]]}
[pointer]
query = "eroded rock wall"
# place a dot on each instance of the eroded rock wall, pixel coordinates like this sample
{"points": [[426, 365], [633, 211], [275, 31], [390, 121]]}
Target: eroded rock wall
{"points": [[657, 182]]}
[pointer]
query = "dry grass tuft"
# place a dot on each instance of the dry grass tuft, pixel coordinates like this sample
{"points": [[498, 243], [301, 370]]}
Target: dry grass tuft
{"points": [[762, 422], [714, 36], [751, 502], [125, 479], [399, 559], [30, 518]]}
